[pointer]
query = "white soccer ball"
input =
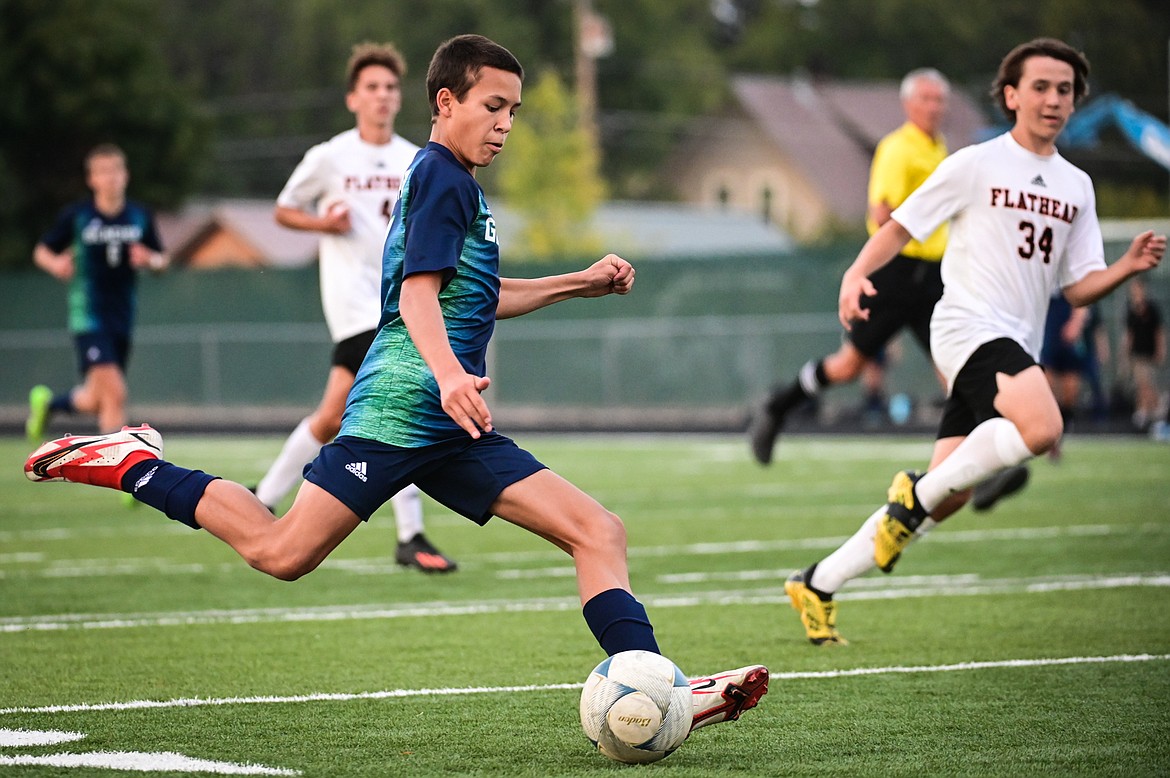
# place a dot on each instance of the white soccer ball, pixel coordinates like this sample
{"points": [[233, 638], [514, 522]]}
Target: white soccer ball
{"points": [[636, 707]]}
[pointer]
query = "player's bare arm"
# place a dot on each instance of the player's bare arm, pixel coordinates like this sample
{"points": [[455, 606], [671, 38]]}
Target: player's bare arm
{"points": [[1144, 253], [459, 390], [882, 246], [59, 266], [609, 275], [335, 221], [1070, 333], [880, 212]]}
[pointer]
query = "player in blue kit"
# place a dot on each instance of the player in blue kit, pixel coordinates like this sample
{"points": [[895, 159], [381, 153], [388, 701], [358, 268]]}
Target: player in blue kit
{"points": [[416, 413], [97, 246]]}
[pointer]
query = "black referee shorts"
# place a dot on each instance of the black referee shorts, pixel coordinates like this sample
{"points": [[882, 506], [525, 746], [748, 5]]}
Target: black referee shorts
{"points": [[907, 290]]}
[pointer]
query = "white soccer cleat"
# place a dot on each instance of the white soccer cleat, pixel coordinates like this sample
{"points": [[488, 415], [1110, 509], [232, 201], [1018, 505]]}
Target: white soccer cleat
{"points": [[723, 697], [100, 460]]}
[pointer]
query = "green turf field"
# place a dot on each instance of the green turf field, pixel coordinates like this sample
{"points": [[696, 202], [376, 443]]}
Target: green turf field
{"points": [[1031, 640]]}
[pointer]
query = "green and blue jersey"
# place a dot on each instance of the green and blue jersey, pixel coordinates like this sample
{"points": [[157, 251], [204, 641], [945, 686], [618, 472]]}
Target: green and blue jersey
{"points": [[102, 293], [442, 224]]}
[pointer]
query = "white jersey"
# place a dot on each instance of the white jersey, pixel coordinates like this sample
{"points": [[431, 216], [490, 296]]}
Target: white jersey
{"points": [[367, 178], [1021, 226]]}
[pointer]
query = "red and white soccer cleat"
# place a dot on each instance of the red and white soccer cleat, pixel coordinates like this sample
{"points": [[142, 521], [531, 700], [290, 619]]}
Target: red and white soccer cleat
{"points": [[100, 460], [723, 697]]}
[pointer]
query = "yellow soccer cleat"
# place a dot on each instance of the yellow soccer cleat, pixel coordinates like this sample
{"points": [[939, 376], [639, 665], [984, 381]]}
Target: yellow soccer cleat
{"points": [[903, 515], [818, 616]]}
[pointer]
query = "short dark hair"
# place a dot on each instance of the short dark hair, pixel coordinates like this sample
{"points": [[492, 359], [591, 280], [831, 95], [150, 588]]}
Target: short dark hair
{"points": [[366, 54], [1011, 69], [104, 150], [458, 61]]}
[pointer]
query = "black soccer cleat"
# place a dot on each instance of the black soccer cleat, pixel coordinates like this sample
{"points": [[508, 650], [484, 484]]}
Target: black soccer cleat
{"points": [[421, 555]]}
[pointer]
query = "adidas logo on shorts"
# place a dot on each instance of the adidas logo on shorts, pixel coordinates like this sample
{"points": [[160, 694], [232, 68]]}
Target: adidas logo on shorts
{"points": [[358, 469]]}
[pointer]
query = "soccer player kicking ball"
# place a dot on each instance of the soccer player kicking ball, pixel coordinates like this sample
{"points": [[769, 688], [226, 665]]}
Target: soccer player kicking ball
{"points": [[416, 414], [1023, 224]]}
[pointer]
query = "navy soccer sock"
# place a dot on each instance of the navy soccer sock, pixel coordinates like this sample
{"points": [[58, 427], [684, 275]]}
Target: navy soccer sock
{"points": [[619, 622], [171, 489], [62, 403]]}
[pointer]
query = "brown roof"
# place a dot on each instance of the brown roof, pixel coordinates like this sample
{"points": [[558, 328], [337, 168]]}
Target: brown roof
{"points": [[829, 129], [250, 222]]}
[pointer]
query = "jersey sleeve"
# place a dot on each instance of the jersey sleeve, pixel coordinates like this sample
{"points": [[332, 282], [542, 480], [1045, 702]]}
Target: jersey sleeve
{"points": [[944, 194], [1085, 251], [308, 181], [60, 236], [443, 205]]}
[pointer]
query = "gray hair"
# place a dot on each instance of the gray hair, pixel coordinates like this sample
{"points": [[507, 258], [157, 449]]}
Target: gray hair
{"points": [[913, 76]]}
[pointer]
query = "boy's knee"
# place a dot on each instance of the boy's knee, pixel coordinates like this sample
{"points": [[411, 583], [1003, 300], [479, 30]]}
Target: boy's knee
{"points": [[608, 529], [1042, 435], [283, 567]]}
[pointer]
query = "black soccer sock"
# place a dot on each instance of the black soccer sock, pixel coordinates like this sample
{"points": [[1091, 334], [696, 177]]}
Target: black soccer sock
{"points": [[807, 385], [619, 622], [808, 575]]}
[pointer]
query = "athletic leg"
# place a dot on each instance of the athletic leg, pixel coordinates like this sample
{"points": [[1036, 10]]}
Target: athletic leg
{"points": [[842, 366], [130, 461], [103, 394], [546, 504], [285, 548], [550, 506], [306, 440]]}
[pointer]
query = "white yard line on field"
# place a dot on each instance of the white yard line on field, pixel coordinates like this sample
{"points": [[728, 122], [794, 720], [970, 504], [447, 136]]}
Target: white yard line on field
{"points": [[195, 702], [139, 762], [866, 589], [41, 565]]}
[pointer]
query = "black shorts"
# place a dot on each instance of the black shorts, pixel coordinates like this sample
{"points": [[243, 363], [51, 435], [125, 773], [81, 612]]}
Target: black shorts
{"points": [[972, 399], [350, 352], [907, 290], [464, 474], [101, 348]]}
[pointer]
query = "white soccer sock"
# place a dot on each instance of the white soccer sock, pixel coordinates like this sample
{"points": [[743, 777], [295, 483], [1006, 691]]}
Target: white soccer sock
{"points": [[285, 473], [408, 512], [854, 557], [992, 446], [808, 378], [851, 559]]}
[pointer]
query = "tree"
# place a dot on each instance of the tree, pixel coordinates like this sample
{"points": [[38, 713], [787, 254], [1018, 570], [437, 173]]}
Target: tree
{"points": [[550, 173], [74, 74]]}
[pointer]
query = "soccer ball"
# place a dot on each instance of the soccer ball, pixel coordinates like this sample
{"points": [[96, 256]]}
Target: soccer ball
{"points": [[636, 707]]}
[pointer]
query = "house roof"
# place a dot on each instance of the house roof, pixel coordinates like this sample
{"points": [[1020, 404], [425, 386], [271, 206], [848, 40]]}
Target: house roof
{"points": [[802, 123], [633, 229], [676, 230], [249, 219], [828, 130]]}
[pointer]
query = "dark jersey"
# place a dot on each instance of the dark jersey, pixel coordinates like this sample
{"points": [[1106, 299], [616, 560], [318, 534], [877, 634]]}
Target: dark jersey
{"points": [[102, 292], [1143, 329]]}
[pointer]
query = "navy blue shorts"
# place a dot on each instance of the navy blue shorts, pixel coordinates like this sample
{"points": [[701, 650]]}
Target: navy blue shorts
{"points": [[1061, 357], [101, 348], [972, 399], [463, 474]]}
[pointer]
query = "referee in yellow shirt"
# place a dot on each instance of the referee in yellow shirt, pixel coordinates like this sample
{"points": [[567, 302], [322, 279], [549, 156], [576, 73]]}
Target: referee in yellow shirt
{"points": [[908, 287]]}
